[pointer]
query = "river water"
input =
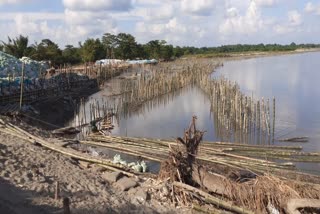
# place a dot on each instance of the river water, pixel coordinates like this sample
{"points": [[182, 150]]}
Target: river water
{"points": [[291, 79]]}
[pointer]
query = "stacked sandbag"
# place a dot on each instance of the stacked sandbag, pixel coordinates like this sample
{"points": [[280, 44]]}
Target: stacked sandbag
{"points": [[105, 62], [143, 61], [11, 66], [32, 67]]}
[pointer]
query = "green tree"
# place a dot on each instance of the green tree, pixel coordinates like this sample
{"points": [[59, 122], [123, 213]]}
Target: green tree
{"points": [[71, 55], [166, 51], [17, 47], [153, 48], [178, 52], [140, 52], [47, 50], [110, 43], [92, 50], [126, 46]]}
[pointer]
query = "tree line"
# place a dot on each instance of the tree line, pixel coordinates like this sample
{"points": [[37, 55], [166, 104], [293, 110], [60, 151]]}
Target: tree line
{"points": [[123, 46], [120, 46]]}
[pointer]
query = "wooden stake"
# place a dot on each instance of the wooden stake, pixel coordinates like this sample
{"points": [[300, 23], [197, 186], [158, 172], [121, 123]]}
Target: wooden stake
{"points": [[66, 206], [21, 85], [57, 191], [274, 118]]}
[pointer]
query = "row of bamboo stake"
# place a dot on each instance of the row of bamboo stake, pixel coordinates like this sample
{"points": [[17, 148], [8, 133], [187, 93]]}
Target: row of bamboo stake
{"points": [[244, 118], [158, 81], [238, 117], [94, 110]]}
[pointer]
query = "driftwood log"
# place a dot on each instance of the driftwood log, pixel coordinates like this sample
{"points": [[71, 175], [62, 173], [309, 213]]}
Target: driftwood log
{"points": [[66, 131]]}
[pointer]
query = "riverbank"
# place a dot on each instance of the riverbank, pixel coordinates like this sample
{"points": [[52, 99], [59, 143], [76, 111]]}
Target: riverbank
{"points": [[42, 171], [249, 55], [29, 174]]}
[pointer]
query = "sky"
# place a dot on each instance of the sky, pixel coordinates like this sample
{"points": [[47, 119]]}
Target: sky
{"points": [[180, 22]]}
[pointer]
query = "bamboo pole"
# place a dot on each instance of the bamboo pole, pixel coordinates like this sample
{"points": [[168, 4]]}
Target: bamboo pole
{"points": [[21, 85], [75, 154], [211, 199], [274, 118]]}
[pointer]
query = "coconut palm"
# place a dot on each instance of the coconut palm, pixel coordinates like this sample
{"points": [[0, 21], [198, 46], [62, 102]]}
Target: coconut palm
{"points": [[17, 47]]}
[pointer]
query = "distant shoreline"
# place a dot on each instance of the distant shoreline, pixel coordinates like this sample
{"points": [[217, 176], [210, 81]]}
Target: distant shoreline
{"points": [[253, 54]]}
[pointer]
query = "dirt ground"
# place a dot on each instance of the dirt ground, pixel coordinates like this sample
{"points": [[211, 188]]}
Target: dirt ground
{"points": [[28, 174]]}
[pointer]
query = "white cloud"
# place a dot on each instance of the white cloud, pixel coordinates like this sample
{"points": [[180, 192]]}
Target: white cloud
{"points": [[35, 27], [266, 3], [172, 26], [160, 13], [199, 7], [64, 28], [33, 24], [309, 8], [34, 16], [312, 8], [89, 23], [98, 5], [249, 23], [175, 31], [3, 2], [88, 18], [232, 12], [24, 25], [283, 29], [85, 17], [92, 18], [293, 24], [155, 13], [294, 18]]}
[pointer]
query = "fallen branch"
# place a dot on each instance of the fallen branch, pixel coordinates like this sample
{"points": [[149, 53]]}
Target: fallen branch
{"points": [[213, 200], [18, 132], [294, 204], [295, 139]]}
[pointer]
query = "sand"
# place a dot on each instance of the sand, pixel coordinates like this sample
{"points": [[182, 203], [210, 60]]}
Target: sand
{"points": [[28, 174]]}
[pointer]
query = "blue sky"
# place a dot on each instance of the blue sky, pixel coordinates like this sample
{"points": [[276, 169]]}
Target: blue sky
{"points": [[180, 22]]}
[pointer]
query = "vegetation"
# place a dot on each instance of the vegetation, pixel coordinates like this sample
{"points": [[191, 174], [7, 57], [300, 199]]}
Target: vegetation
{"points": [[17, 47], [46, 50], [91, 50], [124, 46], [246, 48]]}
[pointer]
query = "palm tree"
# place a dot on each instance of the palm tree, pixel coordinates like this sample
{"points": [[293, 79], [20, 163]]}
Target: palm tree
{"points": [[17, 47]]}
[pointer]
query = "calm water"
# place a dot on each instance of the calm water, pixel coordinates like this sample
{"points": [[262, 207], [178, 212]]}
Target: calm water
{"points": [[169, 116], [293, 80]]}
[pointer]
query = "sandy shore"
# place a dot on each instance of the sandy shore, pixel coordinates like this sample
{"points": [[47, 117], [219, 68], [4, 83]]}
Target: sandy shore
{"points": [[28, 174], [255, 54]]}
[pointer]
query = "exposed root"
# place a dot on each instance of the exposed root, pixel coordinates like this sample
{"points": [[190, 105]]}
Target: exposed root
{"points": [[178, 167], [241, 188]]}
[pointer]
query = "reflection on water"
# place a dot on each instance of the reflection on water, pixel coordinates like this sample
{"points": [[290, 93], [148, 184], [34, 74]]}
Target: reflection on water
{"points": [[169, 116], [293, 80]]}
